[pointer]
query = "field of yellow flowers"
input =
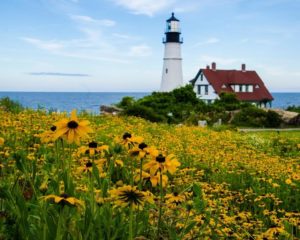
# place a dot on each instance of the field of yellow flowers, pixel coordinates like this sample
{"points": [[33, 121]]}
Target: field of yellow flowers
{"points": [[64, 176]]}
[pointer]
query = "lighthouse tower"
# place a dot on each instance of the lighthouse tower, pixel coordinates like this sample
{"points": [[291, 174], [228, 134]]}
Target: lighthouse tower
{"points": [[172, 67]]}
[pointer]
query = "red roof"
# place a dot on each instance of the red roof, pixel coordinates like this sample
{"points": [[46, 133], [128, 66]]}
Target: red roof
{"points": [[221, 80]]}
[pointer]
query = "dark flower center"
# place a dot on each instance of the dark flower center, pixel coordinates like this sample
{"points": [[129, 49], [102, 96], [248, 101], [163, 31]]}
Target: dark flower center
{"points": [[160, 158], [64, 195], [53, 128], [72, 124], [89, 164], [93, 145], [175, 194], [126, 135], [142, 145], [132, 197]]}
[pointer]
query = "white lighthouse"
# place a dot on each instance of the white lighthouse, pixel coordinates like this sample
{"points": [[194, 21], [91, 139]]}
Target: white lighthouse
{"points": [[172, 67]]}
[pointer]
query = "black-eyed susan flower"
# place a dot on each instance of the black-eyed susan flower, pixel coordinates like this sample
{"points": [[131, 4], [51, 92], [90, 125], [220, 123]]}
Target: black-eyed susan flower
{"points": [[175, 198], [163, 163], [129, 140], [93, 149], [155, 180], [64, 199], [87, 168], [139, 150], [48, 136], [71, 129], [130, 196]]}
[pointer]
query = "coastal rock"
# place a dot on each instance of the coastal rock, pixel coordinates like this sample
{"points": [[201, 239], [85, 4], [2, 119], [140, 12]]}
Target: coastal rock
{"points": [[295, 121], [286, 116], [110, 110]]}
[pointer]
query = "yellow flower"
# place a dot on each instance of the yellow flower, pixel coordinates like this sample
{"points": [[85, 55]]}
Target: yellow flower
{"points": [[64, 199], [130, 196], [1, 141], [48, 136], [128, 140], [88, 168], [93, 149], [155, 180], [162, 163], [288, 181], [175, 198], [139, 150], [71, 129]]}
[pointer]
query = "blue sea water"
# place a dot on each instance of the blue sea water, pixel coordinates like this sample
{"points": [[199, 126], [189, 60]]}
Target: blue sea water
{"points": [[91, 101], [67, 101]]}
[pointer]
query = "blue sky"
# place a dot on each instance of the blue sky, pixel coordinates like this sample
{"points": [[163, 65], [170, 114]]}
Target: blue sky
{"points": [[116, 45]]}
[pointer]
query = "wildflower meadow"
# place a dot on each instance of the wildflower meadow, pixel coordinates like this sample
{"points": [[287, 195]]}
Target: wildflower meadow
{"points": [[84, 176]]}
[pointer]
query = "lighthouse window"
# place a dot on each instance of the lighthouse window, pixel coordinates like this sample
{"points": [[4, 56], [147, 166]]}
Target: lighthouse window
{"points": [[166, 70]]}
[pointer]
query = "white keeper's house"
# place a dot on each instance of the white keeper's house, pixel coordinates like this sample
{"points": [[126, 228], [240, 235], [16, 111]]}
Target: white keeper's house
{"points": [[247, 85]]}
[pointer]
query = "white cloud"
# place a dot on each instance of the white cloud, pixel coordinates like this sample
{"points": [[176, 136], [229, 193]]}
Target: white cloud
{"points": [[87, 19], [125, 36], [211, 40], [140, 51], [46, 45], [146, 7]]}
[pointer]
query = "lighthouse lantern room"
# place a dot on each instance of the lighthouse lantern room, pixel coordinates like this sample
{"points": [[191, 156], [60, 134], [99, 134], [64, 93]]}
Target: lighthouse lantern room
{"points": [[172, 66]]}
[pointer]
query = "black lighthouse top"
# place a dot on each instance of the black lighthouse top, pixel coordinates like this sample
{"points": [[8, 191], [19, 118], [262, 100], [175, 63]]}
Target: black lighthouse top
{"points": [[172, 30]]}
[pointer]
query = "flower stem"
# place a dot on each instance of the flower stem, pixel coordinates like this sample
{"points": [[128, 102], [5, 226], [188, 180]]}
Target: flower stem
{"points": [[160, 204], [141, 179], [183, 229], [131, 223]]}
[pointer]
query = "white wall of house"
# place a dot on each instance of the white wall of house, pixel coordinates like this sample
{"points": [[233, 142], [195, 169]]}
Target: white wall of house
{"points": [[207, 92]]}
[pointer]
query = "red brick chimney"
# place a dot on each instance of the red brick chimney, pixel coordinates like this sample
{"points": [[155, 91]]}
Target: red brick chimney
{"points": [[213, 66], [243, 67]]}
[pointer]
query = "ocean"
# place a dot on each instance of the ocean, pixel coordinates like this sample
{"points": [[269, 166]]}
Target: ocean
{"points": [[91, 101]]}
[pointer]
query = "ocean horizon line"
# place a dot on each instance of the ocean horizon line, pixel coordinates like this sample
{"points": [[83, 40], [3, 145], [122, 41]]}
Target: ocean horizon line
{"points": [[107, 91]]}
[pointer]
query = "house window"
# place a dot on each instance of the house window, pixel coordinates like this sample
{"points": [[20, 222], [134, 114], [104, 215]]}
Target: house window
{"points": [[201, 77], [244, 88], [206, 89], [250, 88], [256, 86], [247, 88], [202, 89], [240, 88], [166, 70]]}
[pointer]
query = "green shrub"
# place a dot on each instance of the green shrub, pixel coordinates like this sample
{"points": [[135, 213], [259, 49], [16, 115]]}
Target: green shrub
{"points": [[256, 117], [273, 119], [126, 102], [172, 107], [10, 105], [228, 101], [293, 108], [144, 112]]}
